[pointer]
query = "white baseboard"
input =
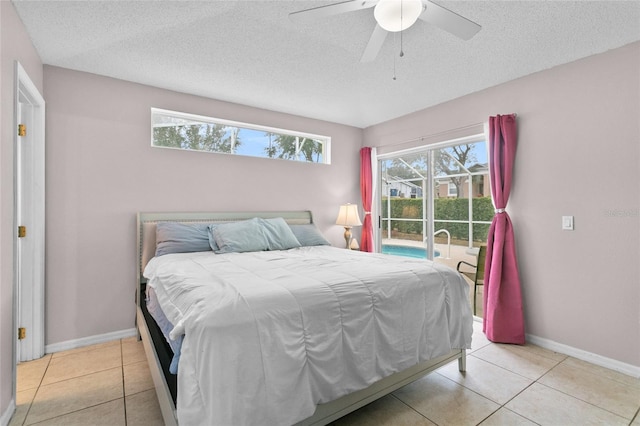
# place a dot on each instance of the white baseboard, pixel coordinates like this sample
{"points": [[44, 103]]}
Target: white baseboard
{"points": [[8, 413], [612, 364], [91, 340]]}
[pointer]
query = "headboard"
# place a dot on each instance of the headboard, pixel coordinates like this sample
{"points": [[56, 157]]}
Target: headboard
{"points": [[146, 229]]}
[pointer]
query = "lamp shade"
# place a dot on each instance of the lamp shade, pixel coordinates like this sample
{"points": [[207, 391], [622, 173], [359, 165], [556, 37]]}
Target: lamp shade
{"points": [[397, 15], [348, 215]]}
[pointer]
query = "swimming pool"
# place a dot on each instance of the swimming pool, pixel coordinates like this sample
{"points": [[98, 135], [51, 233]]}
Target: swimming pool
{"points": [[408, 251]]}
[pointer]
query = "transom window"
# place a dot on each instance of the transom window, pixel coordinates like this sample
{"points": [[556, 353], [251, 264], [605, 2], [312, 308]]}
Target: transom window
{"points": [[180, 130]]}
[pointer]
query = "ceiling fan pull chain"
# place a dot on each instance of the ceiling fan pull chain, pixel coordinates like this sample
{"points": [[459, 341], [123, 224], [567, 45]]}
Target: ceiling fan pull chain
{"points": [[394, 68], [394, 59], [401, 51]]}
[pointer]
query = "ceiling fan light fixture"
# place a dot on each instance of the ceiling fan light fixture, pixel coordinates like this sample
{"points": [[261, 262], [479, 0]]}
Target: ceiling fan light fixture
{"points": [[397, 15]]}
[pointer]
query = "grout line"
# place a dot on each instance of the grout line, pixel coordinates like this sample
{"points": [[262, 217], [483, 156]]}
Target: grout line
{"points": [[510, 410], [73, 412], [599, 376], [500, 406], [78, 377], [516, 373], [582, 400], [514, 397], [496, 402], [40, 385], [48, 365], [510, 371], [124, 392], [410, 407], [26, 415], [81, 350]]}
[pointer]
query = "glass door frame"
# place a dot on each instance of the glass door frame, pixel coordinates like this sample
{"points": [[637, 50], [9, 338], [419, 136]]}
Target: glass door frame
{"points": [[428, 199]]}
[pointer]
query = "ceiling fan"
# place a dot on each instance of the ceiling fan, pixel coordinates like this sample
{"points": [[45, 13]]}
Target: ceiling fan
{"points": [[394, 16]]}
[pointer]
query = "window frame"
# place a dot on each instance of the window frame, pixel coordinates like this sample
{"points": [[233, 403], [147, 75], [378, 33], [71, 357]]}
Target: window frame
{"points": [[201, 119]]}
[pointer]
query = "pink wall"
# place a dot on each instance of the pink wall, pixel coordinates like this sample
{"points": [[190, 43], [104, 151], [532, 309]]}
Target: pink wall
{"points": [[579, 134], [15, 45], [101, 170]]}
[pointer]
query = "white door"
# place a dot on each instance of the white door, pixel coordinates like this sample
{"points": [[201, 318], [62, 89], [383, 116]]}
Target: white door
{"points": [[29, 218]]}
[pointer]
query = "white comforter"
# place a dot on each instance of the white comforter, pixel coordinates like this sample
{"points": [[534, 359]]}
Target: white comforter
{"points": [[268, 335]]}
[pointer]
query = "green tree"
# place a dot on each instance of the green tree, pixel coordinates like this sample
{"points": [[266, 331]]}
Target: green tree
{"points": [[199, 137], [454, 160], [168, 136], [294, 147]]}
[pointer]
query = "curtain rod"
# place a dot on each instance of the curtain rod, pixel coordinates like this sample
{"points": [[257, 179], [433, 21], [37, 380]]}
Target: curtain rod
{"points": [[423, 137]]}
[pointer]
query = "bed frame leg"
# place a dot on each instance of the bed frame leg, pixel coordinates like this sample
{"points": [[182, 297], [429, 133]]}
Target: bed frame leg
{"points": [[462, 361]]}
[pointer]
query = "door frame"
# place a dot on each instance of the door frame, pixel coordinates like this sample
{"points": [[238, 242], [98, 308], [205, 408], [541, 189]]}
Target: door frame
{"points": [[428, 197], [29, 311]]}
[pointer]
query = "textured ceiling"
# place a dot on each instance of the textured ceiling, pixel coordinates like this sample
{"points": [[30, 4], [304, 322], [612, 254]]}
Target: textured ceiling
{"points": [[249, 52]]}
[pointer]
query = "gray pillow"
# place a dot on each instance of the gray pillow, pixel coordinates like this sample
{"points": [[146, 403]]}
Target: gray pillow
{"points": [[174, 237], [239, 237], [279, 235], [309, 235]]}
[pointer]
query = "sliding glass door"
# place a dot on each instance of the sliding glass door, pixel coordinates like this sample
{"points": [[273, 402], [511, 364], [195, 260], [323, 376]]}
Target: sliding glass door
{"points": [[435, 201]]}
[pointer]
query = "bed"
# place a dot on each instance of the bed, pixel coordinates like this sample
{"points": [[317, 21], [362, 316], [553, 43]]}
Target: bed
{"points": [[309, 333]]}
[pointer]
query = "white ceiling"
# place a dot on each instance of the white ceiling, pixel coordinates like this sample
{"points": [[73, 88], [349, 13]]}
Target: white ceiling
{"points": [[249, 52]]}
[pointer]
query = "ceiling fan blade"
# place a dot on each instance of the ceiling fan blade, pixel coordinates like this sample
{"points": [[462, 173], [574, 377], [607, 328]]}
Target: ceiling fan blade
{"points": [[331, 10], [449, 21], [375, 44]]}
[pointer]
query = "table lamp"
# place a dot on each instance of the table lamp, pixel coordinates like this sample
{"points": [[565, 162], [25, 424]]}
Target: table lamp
{"points": [[348, 217]]}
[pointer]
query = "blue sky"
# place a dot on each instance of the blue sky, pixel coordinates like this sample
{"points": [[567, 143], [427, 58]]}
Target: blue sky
{"points": [[253, 143]]}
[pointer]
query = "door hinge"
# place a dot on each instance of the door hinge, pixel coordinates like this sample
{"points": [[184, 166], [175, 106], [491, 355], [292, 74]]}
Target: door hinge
{"points": [[22, 231], [22, 130], [22, 333]]}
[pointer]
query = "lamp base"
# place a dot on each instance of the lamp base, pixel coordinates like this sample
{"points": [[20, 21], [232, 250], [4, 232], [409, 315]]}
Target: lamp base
{"points": [[347, 236]]}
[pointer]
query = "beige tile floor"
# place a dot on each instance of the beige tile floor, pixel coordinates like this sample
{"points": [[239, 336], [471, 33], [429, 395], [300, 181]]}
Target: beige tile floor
{"points": [[109, 384]]}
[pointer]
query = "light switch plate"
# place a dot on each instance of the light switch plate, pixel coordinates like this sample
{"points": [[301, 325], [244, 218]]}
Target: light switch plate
{"points": [[567, 223]]}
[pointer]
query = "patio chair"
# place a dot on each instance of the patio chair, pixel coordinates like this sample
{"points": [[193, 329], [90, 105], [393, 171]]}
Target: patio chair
{"points": [[477, 274]]}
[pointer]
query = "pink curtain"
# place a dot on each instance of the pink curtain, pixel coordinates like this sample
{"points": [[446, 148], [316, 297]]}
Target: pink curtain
{"points": [[366, 191], [503, 317]]}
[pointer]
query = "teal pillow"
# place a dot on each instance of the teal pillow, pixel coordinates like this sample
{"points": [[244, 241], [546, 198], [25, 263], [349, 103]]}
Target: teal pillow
{"points": [[239, 237], [279, 235], [309, 235]]}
